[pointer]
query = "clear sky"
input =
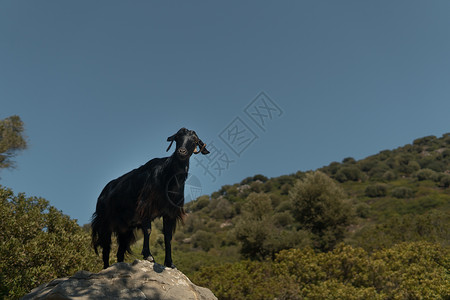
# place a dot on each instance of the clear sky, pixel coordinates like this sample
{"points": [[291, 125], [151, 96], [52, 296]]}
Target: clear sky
{"points": [[100, 86]]}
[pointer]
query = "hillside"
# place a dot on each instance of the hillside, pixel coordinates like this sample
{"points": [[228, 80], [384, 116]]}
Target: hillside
{"points": [[395, 196]]}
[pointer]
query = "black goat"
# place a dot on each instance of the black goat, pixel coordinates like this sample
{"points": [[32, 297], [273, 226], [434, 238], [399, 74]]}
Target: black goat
{"points": [[135, 199]]}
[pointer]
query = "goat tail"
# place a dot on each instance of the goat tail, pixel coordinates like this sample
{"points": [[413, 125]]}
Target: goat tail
{"points": [[96, 228], [180, 217]]}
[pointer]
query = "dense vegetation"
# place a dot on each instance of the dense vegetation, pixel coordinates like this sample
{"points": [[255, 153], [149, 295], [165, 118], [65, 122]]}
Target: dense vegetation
{"points": [[406, 271], [394, 202], [38, 243], [377, 228]]}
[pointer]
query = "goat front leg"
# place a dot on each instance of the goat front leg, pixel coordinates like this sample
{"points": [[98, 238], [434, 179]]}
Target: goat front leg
{"points": [[147, 229], [168, 227]]}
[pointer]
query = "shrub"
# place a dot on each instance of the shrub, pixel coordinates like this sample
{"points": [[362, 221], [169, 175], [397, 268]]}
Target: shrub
{"points": [[200, 203], [255, 226], [332, 168], [203, 239], [412, 167], [283, 219], [223, 210], [402, 192], [426, 174], [179, 236], [319, 206], [284, 205], [259, 231], [351, 173], [38, 243], [362, 210], [445, 181], [389, 175], [405, 271], [379, 170], [437, 166], [367, 164], [348, 160], [285, 188], [425, 141], [446, 153], [376, 190], [432, 226]]}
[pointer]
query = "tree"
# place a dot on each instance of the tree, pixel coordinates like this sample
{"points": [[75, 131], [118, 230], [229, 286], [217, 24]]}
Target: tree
{"points": [[38, 243], [255, 226], [12, 140], [260, 234], [320, 206]]}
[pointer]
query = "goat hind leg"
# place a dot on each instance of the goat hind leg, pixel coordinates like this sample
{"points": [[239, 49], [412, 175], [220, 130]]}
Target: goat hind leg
{"points": [[105, 243], [124, 239]]}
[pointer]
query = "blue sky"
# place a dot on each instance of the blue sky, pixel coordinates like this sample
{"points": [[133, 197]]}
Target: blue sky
{"points": [[100, 85]]}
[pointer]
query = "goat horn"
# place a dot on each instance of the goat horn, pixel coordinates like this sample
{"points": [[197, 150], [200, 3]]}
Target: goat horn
{"points": [[201, 149], [169, 146]]}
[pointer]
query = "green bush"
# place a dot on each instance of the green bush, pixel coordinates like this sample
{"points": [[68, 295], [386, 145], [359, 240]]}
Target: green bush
{"points": [[409, 168], [379, 170], [376, 190], [285, 205], [242, 280], [402, 192], [426, 174], [446, 153], [405, 271], [200, 203], [362, 210], [283, 219], [223, 210], [367, 164], [351, 173], [437, 166], [425, 141], [389, 175], [319, 206], [445, 181], [432, 226], [38, 243], [348, 160], [203, 240], [261, 233]]}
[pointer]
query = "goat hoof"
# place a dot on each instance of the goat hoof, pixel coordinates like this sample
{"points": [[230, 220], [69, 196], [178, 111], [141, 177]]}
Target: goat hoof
{"points": [[170, 265], [150, 259]]}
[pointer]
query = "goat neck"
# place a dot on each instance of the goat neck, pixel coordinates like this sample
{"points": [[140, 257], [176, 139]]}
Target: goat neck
{"points": [[178, 165]]}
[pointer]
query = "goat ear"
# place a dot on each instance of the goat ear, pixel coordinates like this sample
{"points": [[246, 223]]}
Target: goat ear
{"points": [[205, 151], [202, 146], [171, 142], [171, 139]]}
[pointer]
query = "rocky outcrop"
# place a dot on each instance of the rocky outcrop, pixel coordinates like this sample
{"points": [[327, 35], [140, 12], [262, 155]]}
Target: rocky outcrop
{"points": [[139, 280]]}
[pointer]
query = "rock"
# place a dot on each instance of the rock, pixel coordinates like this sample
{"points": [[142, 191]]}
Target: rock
{"points": [[140, 280], [226, 224]]}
